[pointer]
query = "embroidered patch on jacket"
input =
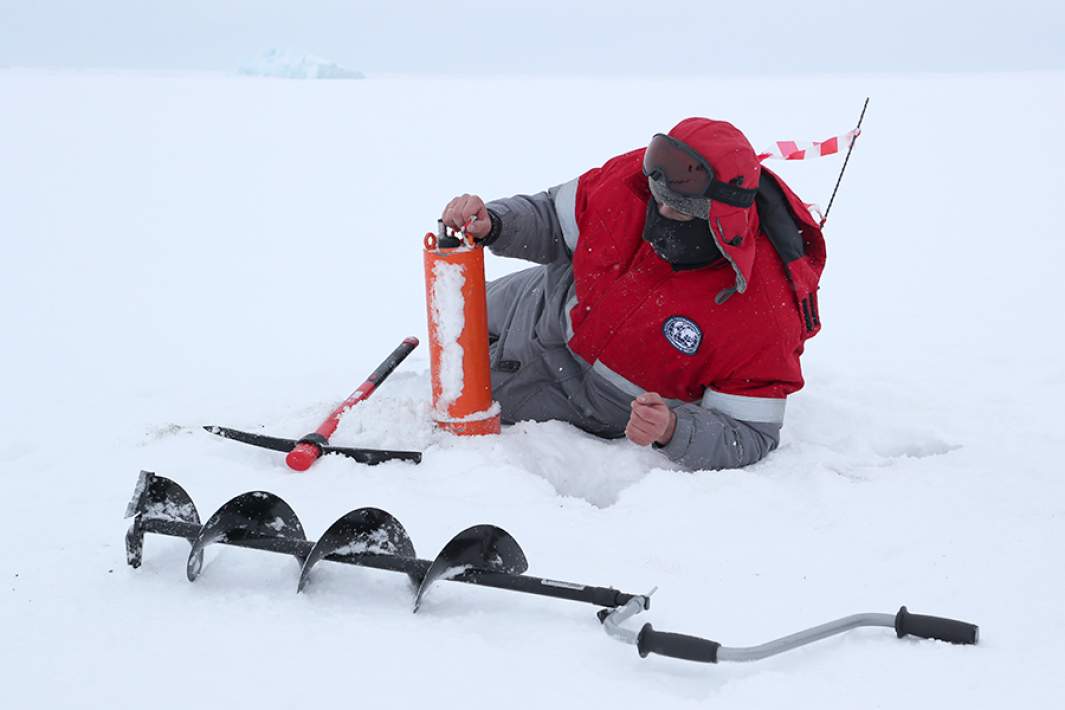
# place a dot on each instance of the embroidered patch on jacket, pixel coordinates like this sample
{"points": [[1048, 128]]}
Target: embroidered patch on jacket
{"points": [[682, 334]]}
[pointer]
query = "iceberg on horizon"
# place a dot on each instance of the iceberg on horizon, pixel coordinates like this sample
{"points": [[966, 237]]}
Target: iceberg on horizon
{"points": [[292, 65]]}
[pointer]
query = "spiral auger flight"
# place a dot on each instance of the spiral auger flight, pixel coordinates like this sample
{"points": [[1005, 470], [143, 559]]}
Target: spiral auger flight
{"points": [[368, 537]]}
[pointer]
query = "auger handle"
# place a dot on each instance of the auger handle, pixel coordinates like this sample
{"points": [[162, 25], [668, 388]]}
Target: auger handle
{"points": [[693, 648], [664, 643], [935, 627]]}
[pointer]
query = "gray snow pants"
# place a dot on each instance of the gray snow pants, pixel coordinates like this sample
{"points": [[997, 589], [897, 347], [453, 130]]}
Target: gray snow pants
{"points": [[534, 374]]}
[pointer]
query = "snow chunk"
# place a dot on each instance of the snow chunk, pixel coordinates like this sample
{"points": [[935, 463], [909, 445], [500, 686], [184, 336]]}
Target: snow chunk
{"points": [[169, 510], [456, 571], [493, 411], [377, 542], [449, 317], [285, 64]]}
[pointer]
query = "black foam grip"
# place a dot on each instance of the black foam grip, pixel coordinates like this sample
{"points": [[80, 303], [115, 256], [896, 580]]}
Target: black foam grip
{"points": [[935, 627], [690, 648]]}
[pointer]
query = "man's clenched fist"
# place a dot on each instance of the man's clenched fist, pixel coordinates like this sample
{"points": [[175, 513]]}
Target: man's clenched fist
{"points": [[651, 420]]}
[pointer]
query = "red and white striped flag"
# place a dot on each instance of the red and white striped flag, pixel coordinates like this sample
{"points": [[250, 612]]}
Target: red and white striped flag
{"points": [[804, 150]]}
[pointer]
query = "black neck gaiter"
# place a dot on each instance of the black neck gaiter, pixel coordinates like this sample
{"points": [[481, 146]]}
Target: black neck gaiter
{"points": [[685, 245]]}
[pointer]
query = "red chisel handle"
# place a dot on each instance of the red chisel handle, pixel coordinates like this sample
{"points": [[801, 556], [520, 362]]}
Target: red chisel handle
{"points": [[309, 448]]}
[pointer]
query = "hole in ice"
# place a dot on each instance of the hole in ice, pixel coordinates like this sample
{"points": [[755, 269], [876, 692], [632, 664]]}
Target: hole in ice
{"points": [[575, 463]]}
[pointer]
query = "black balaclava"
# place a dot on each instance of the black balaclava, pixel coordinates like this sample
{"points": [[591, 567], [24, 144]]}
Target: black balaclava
{"points": [[685, 245]]}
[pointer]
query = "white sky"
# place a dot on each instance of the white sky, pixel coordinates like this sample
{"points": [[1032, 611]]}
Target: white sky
{"points": [[653, 37]]}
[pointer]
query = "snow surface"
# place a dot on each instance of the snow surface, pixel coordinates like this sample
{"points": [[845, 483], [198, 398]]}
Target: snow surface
{"points": [[286, 64], [189, 250]]}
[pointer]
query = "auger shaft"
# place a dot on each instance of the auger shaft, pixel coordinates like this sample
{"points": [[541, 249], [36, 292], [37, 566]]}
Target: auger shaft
{"points": [[416, 568]]}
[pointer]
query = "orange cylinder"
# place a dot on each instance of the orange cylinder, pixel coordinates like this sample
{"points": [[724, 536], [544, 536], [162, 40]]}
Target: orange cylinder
{"points": [[458, 338]]}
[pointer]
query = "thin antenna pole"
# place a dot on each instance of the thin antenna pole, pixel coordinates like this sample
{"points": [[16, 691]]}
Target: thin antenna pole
{"points": [[857, 129]]}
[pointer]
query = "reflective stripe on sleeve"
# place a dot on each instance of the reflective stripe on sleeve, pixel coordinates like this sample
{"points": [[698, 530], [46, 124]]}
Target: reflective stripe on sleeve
{"points": [[566, 209], [628, 387], [748, 409], [567, 319]]}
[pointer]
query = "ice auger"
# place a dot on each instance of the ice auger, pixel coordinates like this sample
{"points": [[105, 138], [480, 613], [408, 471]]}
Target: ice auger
{"points": [[485, 555]]}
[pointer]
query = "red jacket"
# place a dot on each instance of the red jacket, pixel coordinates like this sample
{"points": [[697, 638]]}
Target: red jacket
{"points": [[729, 334]]}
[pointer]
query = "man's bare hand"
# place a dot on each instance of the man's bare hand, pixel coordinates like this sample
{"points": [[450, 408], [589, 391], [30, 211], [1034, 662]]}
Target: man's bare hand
{"points": [[651, 420], [459, 211]]}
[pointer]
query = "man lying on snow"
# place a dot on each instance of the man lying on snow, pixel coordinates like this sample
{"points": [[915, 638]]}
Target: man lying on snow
{"points": [[677, 287]]}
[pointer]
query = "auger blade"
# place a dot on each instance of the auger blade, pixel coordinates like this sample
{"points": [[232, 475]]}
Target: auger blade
{"points": [[365, 531], [482, 547], [248, 518], [155, 498]]}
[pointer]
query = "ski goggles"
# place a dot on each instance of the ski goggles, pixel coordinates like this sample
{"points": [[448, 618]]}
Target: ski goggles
{"points": [[679, 169]]}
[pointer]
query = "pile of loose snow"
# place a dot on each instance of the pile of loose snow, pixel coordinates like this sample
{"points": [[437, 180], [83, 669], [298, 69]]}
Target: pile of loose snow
{"points": [[575, 464], [286, 64]]}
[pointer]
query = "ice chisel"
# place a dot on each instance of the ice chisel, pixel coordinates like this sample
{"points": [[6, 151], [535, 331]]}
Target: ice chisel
{"points": [[305, 451]]}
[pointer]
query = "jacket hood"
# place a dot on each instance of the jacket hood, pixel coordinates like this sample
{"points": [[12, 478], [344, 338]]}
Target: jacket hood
{"points": [[733, 161]]}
